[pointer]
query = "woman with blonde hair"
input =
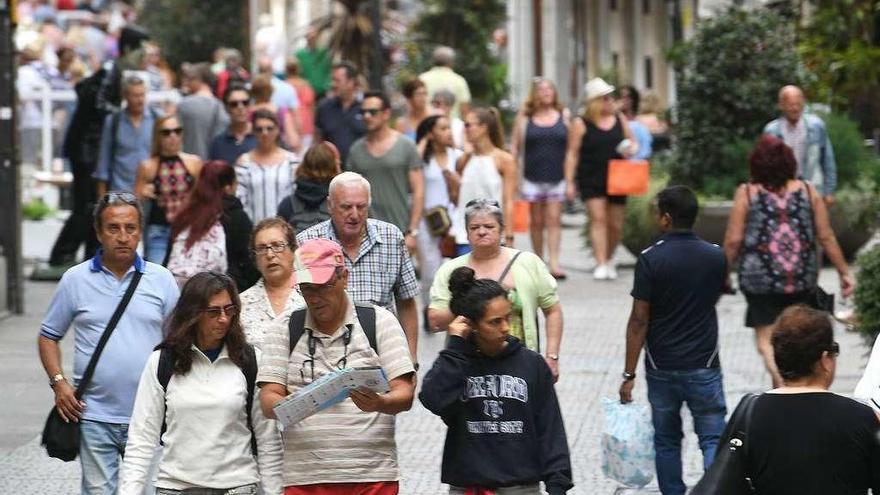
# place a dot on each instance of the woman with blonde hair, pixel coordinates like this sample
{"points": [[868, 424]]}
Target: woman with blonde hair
{"points": [[599, 135], [540, 136], [487, 172], [163, 181]]}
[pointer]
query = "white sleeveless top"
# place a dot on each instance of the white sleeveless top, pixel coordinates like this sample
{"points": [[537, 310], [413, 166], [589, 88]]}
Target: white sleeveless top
{"points": [[479, 180]]}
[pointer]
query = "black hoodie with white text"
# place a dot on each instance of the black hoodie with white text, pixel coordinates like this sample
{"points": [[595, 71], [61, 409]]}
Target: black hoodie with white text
{"points": [[504, 423]]}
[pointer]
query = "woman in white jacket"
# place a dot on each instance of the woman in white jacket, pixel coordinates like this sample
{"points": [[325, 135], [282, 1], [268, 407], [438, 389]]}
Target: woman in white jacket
{"points": [[868, 388], [200, 412]]}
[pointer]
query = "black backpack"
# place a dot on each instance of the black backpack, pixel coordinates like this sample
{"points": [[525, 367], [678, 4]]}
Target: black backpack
{"points": [[366, 315], [304, 216], [166, 369]]}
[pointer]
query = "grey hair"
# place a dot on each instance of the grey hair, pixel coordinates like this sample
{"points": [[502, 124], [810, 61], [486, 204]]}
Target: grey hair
{"points": [[117, 198], [489, 206], [444, 55], [444, 94], [233, 54], [132, 79], [348, 179]]}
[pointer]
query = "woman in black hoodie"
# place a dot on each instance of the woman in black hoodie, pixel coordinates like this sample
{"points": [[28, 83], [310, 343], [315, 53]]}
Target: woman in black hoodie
{"points": [[307, 204], [505, 431]]}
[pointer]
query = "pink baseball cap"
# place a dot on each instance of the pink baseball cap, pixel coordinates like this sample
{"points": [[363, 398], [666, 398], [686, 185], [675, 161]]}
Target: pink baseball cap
{"points": [[316, 260]]}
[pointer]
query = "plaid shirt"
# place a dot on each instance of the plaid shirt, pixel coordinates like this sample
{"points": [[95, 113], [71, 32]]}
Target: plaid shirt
{"points": [[382, 271]]}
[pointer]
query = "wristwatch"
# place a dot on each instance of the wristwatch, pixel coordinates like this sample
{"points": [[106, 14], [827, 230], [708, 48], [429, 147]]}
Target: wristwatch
{"points": [[58, 377], [554, 357], [628, 376]]}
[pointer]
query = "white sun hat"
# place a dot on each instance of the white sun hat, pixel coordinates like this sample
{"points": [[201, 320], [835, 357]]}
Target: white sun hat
{"points": [[596, 88]]}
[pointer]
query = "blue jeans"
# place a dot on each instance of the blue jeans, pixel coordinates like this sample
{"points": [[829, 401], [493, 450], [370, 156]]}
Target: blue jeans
{"points": [[703, 392], [101, 448], [157, 242]]}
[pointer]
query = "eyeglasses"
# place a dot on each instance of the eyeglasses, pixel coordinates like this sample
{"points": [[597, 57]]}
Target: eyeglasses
{"points": [[313, 344], [116, 197], [308, 290], [483, 202], [372, 112], [275, 247], [237, 103], [264, 130], [215, 312], [835, 349], [168, 132]]}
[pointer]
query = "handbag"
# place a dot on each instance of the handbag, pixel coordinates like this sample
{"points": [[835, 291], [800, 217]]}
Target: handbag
{"points": [[819, 299], [438, 221], [448, 246], [60, 438], [728, 474], [628, 177]]}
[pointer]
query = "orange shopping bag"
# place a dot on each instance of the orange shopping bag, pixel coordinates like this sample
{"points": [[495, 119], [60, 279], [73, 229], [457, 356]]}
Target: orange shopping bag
{"points": [[628, 177], [520, 215]]}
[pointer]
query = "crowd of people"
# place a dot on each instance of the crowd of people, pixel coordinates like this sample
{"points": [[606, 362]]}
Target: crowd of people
{"points": [[292, 228]]}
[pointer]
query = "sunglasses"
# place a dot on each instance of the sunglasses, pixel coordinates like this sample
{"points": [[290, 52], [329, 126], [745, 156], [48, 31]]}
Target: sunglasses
{"points": [[215, 312], [237, 103], [372, 112], [482, 202], [114, 197], [835, 349], [318, 289], [264, 130], [167, 132]]}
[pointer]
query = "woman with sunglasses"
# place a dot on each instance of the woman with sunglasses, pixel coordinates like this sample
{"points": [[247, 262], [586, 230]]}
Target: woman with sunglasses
{"points": [[802, 438], [200, 415], [163, 181], [272, 299], [505, 430], [529, 284], [488, 172], [540, 136], [266, 173]]}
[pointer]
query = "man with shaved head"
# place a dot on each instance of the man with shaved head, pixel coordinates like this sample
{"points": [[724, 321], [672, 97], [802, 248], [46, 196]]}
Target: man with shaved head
{"points": [[806, 135]]}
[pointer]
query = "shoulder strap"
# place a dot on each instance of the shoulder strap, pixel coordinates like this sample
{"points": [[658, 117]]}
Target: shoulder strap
{"points": [[745, 425], [296, 326], [114, 129], [367, 317], [509, 266], [93, 362], [250, 376], [163, 375]]}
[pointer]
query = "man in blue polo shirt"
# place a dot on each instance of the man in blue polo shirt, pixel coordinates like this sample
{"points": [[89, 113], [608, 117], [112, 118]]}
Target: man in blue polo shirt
{"points": [[338, 118], [85, 300], [677, 283]]}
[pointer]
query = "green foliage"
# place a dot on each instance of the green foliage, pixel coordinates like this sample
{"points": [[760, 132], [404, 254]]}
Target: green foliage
{"points": [[640, 228], [855, 163], [839, 49], [190, 30], [728, 78], [467, 27], [36, 209], [867, 288]]}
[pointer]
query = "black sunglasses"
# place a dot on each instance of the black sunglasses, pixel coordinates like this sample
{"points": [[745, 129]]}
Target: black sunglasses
{"points": [[482, 202], [168, 132], [237, 103], [264, 130], [372, 112], [835, 349], [114, 197]]}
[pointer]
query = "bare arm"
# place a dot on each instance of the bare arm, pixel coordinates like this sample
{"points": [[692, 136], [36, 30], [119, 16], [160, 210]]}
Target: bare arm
{"points": [[270, 395], [69, 408], [576, 132], [417, 186], [408, 314], [508, 174], [439, 319], [736, 226], [553, 315], [516, 138], [290, 133], [100, 188], [636, 332], [627, 133], [825, 237]]}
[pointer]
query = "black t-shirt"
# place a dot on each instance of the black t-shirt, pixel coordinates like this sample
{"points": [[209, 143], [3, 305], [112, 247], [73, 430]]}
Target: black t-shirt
{"points": [[681, 277], [813, 443]]}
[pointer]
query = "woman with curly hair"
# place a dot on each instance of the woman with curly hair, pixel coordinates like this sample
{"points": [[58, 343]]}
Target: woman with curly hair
{"points": [[774, 227], [212, 440]]}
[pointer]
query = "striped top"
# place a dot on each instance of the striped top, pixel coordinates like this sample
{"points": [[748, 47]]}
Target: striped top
{"points": [[261, 187], [340, 444]]}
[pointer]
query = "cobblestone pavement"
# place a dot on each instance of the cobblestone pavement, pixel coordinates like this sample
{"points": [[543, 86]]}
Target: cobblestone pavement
{"points": [[591, 361]]}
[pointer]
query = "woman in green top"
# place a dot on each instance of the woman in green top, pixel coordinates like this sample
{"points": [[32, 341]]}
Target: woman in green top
{"points": [[527, 279]]}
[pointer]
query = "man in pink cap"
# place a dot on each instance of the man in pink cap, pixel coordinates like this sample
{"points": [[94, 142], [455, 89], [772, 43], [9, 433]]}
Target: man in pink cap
{"points": [[349, 447]]}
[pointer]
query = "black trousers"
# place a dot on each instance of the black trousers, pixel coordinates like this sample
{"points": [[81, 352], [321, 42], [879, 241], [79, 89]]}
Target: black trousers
{"points": [[79, 227]]}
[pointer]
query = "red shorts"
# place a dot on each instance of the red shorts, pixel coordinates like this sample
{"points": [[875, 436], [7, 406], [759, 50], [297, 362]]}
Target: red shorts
{"points": [[370, 488]]}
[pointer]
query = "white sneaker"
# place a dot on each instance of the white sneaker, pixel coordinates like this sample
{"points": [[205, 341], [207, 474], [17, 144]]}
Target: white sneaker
{"points": [[600, 272], [612, 271]]}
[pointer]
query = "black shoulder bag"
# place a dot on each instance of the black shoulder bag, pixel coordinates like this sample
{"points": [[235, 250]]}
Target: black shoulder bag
{"points": [[728, 474], [61, 439]]}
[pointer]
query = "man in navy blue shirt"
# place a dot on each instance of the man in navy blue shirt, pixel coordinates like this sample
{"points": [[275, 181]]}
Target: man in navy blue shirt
{"points": [[677, 282], [338, 118], [238, 138]]}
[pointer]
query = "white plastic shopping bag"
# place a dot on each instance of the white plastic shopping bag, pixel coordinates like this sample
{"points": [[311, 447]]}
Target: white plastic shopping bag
{"points": [[627, 443]]}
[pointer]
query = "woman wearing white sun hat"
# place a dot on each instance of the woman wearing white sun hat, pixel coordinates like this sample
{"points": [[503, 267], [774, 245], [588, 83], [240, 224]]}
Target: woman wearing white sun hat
{"points": [[598, 135]]}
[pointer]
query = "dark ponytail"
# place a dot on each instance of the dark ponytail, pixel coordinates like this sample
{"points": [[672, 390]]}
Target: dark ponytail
{"points": [[470, 295]]}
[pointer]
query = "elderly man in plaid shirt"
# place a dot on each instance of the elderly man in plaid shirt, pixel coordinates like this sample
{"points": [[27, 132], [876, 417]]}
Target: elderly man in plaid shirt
{"points": [[380, 269]]}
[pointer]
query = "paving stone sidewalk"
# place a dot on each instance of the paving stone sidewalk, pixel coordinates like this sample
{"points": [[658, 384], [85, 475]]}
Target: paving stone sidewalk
{"points": [[591, 362]]}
